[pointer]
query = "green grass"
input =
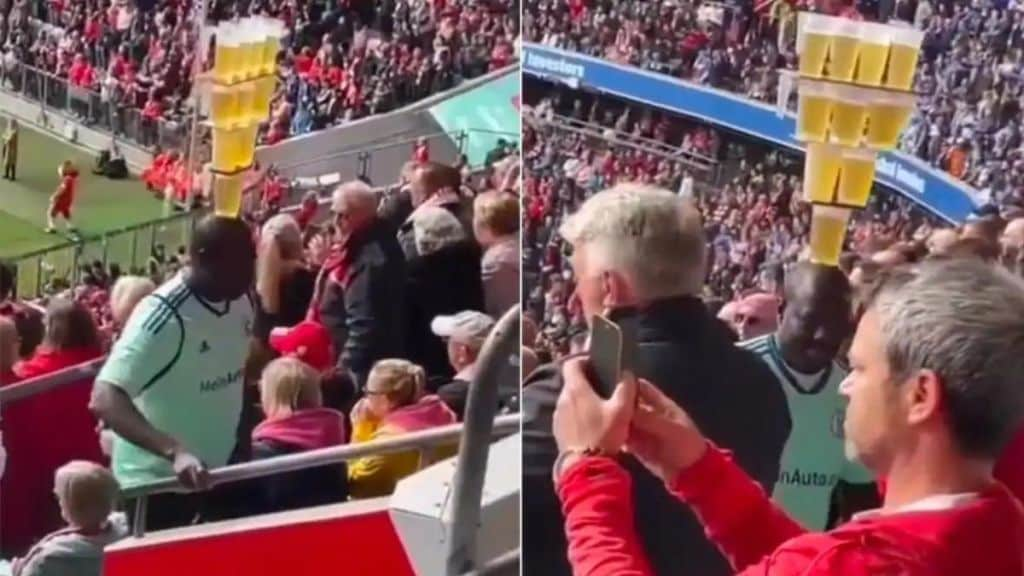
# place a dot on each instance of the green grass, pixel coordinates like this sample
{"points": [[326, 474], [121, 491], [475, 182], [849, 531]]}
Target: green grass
{"points": [[101, 207]]}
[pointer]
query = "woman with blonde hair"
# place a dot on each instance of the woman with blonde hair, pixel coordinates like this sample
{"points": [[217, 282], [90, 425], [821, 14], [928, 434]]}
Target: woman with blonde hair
{"points": [[296, 421], [394, 404], [87, 494]]}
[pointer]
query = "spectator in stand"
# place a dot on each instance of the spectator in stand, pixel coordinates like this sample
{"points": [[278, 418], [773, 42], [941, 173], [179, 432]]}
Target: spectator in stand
{"points": [[395, 403], [8, 351], [464, 335], [296, 421], [1012, 247], [70, 338], [437, 185], [164, 427], [442, 278], [360, 289], [804, 354], [934, 399], [284, 280], [496, 228], [126, 294], [88, 494], [640, 252], [307, 211], [756, 315]]}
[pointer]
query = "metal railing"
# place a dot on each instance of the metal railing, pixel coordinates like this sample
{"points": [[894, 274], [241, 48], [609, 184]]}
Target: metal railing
{"points": [[690, 159], [130, 247], [120, 117], [480, 426]]}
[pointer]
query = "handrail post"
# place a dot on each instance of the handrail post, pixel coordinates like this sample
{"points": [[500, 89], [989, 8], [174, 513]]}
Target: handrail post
{"points": [[139, 522], [471, 464]]}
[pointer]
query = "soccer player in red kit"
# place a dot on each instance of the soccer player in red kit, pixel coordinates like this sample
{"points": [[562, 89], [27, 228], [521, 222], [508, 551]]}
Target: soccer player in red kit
{"points": [[63, 198]]}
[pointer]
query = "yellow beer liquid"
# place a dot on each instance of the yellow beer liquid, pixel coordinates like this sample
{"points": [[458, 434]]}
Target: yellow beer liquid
{"points": [[842, 57], [227, 194], [227, 63], [902, 62], [821, 171], [252, 59], [812, 118], [871, 63], [812, 59], [827, 234], [848, 120], [226, 144], [246, 101], [246, 145], [271, 45], [855, 179], [886, 123], [224, 108], [264, 93]]}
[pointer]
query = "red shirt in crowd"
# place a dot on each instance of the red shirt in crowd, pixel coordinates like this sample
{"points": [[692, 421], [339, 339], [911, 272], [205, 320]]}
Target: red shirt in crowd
{"points": [[81, 73], [47, 360], [153, 110], [944, 537]]}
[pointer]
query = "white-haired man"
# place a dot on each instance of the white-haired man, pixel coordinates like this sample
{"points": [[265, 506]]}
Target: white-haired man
{"points": [[639, 252], [359, 294]]}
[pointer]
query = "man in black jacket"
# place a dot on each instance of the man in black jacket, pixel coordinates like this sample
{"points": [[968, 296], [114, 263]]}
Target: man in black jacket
{"points": [[642, 249], [361, 289]]}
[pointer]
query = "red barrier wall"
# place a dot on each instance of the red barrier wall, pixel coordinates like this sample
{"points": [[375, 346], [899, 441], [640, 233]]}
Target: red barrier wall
{"points": [[41, 434], [294, 544]]}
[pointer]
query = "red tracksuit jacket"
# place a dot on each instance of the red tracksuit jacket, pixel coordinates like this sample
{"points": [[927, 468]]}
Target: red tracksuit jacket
{"points": [[980, 537]]}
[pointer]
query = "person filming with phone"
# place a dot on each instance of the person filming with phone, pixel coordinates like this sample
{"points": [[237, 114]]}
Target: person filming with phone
{"points": [[934, 397], [639, 264]]}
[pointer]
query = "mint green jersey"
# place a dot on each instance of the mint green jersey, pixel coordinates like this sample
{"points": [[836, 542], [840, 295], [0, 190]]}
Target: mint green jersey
{"points": [[813, 459], [180, 360]]}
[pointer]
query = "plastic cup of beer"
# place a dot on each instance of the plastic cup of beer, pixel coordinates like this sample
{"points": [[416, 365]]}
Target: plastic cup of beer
{"points": [[828, 230], [821, 171], [253, 33], [264, 94], [227, 194], [224, 105], [844, 49], [874, 53], [904, 51], [888, 115], [813, 37], [814, 108], [226, 147], [246, 151], [227, 60], [274, 32], [849, 114], [246, 101], [856, 175]]}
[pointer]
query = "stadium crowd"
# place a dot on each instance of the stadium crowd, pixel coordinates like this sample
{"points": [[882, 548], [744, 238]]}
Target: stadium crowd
{"points": [[366, 325], [969, 113], [755, 221], [339, 62]]}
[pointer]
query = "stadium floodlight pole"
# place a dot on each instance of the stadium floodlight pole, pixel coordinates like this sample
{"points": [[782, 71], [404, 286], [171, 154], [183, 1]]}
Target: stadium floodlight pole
{"points": [[471, 464]]}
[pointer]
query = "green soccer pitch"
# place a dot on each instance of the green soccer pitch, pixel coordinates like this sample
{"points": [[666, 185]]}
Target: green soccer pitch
{"points": [[101, 204]]}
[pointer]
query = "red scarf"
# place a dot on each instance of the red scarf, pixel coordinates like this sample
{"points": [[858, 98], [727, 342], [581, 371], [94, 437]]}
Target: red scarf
{"points": [[336, 268]]}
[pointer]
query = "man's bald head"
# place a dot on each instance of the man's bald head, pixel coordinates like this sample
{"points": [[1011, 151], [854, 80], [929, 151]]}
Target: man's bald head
{"points": [[1013, 234], [222, 258], [941, 241], [816, 318], [807, 280]]}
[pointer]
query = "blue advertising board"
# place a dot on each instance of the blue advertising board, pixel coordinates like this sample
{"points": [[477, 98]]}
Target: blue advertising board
{"points": [[931, 188]]}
